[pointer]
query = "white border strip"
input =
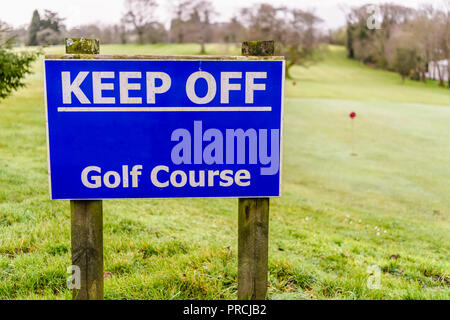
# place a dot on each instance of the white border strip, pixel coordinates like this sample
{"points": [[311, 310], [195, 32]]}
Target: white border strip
{"points": [[159, 109], [47, 133], [282, 127]]}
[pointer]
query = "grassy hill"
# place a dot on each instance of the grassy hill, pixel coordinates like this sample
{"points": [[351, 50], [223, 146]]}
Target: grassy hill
{"points": [[340, 215]]}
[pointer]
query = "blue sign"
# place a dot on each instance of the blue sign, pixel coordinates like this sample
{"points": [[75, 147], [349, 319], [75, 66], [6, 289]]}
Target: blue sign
{"points": [[198, 127]]}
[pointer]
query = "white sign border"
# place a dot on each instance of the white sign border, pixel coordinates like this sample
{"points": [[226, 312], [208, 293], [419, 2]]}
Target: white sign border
{"points": [[71, 57]]}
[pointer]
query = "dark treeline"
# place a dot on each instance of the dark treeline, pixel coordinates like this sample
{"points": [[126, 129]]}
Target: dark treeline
{"points": [[191, 22], [295, 31], [414, 43]]}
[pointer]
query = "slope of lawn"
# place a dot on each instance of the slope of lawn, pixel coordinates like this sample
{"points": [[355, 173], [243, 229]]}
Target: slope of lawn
{"points": [[386, 207], [335, 77]]}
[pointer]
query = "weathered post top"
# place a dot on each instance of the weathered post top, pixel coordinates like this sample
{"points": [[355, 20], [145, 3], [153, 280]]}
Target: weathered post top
{"points": [[258, 48], [82, 45]]}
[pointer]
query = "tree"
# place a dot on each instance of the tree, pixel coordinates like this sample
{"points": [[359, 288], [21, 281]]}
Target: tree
{"points": [[14, 66], [293, 30], [181, 10], [446, 37], [418, 32], [52, 21], [104, 33], [49, 36], [299, 40], [46, 30], [192, 22], [123, 34], [433, 21], [33, 29], [405, 61], [155, 33], [368, 44], [203, 10], [263, 22], [233, 30], [338, 36], [140, 15]]}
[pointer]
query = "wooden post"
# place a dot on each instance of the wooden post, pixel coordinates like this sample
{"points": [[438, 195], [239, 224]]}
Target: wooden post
{"points": [[87, 247], [253, 229], [87, 218]]}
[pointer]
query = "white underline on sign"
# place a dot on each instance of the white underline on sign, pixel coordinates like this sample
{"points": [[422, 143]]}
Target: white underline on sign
{"points": [[159, 109]]}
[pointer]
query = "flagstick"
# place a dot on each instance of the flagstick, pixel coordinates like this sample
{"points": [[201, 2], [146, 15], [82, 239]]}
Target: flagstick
{"points": [[353, 137]]}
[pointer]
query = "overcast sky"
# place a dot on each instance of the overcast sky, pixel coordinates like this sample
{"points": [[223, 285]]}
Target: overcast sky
{"points": [[78, 12]]}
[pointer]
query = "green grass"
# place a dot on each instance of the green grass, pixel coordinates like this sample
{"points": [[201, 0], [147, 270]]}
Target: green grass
{"points": [[388, 205], [338, 78]]}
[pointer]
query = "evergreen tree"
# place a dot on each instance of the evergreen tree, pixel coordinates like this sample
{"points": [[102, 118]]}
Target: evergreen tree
{"points": [[51, 21], [34, 28], [14, 66]]}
